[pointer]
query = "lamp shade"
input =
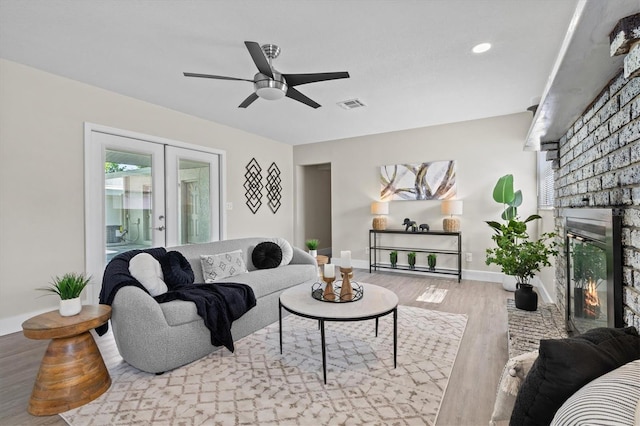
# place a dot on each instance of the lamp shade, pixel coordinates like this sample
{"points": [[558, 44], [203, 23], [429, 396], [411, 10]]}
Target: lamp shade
{"points": [[379, 207], [451, 207]]}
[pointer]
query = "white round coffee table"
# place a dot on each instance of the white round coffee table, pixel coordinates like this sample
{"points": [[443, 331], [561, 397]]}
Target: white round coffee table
{"points": [[376, 302]]}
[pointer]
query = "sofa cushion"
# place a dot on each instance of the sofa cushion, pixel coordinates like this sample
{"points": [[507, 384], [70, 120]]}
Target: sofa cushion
{"points": [[267, 281], [565, 365], [223, 265], [609, 399], [147, 270], [266, 255], [176, 269], [287, 250]]}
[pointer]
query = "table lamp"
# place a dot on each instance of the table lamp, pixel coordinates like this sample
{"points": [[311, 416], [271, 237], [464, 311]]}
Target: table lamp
{"points": [[451, 207], [380, 209]]}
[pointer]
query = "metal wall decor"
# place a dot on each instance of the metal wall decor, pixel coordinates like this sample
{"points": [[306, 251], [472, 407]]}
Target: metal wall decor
{"points": [[253, 186], [274, 187]]}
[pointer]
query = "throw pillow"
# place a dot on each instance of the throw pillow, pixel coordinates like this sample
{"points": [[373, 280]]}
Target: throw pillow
{"points": [[176, 269], [513, 375], [266, 255], [565, 365], [287, 250], [147, 270], [218, 266], [608, 400]]}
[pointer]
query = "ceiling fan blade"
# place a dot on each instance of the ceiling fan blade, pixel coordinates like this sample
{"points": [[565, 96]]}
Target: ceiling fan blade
{"points": [[258, 58], [252, 97], [294, 94], [217, 77], [297, 79]]}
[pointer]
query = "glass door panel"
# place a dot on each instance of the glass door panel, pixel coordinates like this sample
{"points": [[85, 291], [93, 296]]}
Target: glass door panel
{"points": [[193, 187], [128, 190], [124, 199]]}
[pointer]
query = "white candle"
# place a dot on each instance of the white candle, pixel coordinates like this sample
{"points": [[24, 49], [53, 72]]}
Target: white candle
{"points": [[346, 258], [329, 271]]}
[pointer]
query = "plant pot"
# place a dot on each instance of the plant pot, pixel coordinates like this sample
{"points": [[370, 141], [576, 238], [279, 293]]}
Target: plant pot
{"points": [[526, 299], [509, 282], [70, 307], [313, 253], [432, 263]]}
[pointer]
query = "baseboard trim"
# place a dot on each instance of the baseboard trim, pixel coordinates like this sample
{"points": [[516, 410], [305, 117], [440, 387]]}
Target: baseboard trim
{"points": [[14, 324]]}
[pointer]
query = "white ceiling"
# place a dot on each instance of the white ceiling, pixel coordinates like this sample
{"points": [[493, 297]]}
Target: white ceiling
{"points": [[410, 61]]}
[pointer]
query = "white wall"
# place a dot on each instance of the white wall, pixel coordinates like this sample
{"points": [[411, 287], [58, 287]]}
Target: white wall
{"points": [[484, 150], [42, 176]]}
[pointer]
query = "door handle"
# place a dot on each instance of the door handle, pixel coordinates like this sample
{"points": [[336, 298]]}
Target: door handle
{"points": [[160, 228]]}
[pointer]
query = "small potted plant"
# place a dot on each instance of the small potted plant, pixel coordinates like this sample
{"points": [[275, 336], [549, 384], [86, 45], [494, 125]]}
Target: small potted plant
{"points": [[68, 288], [411, 257], [431, 260], [312, 245], [393, 257]]}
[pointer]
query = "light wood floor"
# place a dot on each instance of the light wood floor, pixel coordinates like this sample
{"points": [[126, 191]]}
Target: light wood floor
{"points": [[469, 397]]}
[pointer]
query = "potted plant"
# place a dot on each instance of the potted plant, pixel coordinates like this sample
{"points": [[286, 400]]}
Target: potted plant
{"points": [[510, 199], [431, 261], [312, 245], [411, 257], [68, 288], [393, 258], [515, 253]]}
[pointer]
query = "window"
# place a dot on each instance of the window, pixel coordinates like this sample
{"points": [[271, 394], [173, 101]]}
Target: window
{"points": [[545, 182]]}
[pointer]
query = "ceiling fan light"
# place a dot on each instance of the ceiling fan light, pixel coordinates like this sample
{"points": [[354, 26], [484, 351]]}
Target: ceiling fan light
{"points": [[270, 89], [271, 93]]}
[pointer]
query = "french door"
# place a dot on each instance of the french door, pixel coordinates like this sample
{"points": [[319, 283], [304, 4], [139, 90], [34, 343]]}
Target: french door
{"points": [[142, 192]]}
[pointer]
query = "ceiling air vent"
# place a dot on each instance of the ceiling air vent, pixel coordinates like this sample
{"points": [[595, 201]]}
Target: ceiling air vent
{"points": [[352, 104]]}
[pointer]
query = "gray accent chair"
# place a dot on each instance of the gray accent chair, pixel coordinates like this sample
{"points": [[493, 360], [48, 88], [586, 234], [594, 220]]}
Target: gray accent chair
{"points": [[158, 337]]}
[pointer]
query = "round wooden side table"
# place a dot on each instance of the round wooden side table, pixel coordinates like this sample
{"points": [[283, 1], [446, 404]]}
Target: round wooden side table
{"points": [[72, 372]]}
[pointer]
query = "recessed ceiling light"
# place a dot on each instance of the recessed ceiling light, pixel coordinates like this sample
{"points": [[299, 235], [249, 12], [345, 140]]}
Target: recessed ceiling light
{"points": [[481, 48]]}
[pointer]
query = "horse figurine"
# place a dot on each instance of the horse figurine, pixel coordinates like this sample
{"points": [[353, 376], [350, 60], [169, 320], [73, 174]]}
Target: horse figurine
{"points": [[410, 223]]}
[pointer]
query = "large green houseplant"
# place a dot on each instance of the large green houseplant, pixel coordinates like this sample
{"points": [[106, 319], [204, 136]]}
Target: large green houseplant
{"points": [[515, 252]]}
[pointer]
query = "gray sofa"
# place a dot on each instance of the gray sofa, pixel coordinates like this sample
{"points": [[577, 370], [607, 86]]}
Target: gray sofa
{"points": [[157, 337]]}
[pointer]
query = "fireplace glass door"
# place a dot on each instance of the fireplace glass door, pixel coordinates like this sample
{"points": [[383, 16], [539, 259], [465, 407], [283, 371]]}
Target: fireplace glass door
{"points": [[587, 284]]}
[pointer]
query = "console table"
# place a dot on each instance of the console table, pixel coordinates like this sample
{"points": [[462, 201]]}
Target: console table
{"points": [[376, 246]]}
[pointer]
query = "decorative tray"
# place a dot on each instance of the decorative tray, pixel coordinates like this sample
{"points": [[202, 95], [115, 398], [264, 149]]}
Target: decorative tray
{"points": [[317, 292]]}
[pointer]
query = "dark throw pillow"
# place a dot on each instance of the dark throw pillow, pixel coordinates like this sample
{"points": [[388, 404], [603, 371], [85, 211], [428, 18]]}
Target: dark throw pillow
{"points": [[266, 255], [176, 269], [566, 365]]}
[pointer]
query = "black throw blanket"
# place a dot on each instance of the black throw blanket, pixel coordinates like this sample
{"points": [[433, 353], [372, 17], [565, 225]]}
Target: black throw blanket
{"points": [[218, 304]]}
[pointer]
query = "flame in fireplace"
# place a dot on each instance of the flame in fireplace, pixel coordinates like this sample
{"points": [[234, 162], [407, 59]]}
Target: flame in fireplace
{"points": [[591, 301]]}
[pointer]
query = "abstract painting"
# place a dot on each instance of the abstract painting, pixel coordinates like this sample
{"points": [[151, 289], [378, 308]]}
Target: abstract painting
{"points": [[434, 180]]}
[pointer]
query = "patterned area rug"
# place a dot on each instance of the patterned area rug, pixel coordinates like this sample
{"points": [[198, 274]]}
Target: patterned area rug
{"points": [[258, 385], [526, 328]]}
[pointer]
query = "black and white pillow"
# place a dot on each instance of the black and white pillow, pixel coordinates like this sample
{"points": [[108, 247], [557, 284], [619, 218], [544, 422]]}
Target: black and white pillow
{"points": [[566, 365], [611, 399], [266, 255], [287, 250], [218, 266]]}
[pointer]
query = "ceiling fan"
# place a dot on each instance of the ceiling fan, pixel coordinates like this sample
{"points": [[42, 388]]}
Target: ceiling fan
{"points": [[270, 84]]}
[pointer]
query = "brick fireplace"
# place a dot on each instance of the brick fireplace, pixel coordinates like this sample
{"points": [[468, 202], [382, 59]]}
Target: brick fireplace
{"points": [[598, 166]]}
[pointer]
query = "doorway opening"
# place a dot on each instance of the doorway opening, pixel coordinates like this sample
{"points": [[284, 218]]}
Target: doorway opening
{"points": [[315, 190]]}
